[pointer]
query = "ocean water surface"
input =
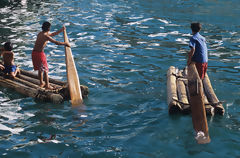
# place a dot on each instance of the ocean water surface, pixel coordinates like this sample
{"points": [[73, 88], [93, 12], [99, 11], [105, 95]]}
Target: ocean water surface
{"points": [[122, 51]]}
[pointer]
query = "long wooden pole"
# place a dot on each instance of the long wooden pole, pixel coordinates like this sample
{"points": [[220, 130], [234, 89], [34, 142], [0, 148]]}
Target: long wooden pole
{"points": [[196, 100], [72, 75]]}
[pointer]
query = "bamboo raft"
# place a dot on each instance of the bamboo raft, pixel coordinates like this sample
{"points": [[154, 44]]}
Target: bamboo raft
{"points": [[178, 94], [27, 83]]}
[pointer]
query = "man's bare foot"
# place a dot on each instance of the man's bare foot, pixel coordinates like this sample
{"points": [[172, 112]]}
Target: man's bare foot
{"points": [[42, 85], [49, 87]]}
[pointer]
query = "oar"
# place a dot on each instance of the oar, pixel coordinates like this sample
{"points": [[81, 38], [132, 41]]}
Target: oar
{"points": [[199, 118], [72, 76]]}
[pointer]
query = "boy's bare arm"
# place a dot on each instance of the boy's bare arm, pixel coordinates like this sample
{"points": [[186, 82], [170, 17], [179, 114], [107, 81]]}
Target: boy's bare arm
{"points": [[190, 55], [57, 32], [1, 51], [57, 42]]}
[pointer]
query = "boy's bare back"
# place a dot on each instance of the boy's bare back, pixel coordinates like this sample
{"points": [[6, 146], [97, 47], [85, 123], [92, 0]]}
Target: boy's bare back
{"points": [[41, 42], [8, 58]]}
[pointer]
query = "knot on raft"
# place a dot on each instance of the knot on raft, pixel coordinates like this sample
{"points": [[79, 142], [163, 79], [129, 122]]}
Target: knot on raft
{"points": [[49, 96], [59, 95], [64, 91]]}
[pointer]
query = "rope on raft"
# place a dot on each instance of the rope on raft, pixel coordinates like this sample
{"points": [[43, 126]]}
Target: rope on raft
{"points": [[213, 104]]}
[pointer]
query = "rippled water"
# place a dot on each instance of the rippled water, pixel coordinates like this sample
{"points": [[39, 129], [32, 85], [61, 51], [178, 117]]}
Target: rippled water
{"points": [[122, 50]]}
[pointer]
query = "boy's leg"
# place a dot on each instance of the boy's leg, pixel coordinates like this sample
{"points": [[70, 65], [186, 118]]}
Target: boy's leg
{"points": [[17, 71], [12, 75], [40, 77], [47, 85]]}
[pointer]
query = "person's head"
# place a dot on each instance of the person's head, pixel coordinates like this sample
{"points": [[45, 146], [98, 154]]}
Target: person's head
{"points": [[8, 46], [196, 27], [46, 26]]}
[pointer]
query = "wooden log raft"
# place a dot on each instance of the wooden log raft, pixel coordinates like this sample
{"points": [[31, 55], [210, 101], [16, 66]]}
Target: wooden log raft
{"points": [[178, 94], [27, 83]]}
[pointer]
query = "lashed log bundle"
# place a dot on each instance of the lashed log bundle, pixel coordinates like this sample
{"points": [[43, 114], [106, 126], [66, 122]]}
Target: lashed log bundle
{"points": [[182, 93], [211, 96], [174, 106], [27, 83], [178, 94]]}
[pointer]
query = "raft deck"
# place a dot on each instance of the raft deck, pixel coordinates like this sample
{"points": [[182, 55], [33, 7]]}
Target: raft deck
{"points": [[178, 94], [27, 83]]}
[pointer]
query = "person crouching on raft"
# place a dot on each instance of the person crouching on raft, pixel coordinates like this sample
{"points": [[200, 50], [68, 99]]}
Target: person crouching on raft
{"points": [[38, 56], [9, 68], [199, 51]]}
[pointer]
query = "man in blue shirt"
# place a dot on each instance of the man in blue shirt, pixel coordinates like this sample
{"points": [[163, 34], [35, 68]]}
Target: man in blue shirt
{"points": [[198, 53]]}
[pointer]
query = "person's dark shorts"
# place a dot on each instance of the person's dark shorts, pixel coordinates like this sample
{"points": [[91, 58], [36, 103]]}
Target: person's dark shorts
{"points": [[10, 68], [202, 69]]}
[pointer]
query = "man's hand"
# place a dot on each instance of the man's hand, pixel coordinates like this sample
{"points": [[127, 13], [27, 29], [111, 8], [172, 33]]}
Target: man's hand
{"points": [[190, 55], [63, 28], [2, 67], [67, 44]]}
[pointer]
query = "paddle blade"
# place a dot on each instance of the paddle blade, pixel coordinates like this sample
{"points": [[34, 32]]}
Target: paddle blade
{"points": [[72, 76], [196, 100]]}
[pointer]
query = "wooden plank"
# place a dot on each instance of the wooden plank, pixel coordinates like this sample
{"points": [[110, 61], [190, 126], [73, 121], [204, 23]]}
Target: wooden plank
{"points": [[72, 76], [196, 101]]}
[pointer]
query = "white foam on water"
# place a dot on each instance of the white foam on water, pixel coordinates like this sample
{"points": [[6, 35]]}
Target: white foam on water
{"points": [[12, 130], [164, 21], [139, 22], [201, 138]]}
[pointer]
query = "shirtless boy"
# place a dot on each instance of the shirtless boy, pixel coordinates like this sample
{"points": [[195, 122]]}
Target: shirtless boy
{"points": [[10, 68], [38, 56]]}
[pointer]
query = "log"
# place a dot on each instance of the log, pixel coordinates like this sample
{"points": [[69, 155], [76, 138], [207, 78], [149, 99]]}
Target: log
{"points": [[182, 93], [209, 109], [35, 76], [173, 105], [211, 96], [196, 101], [35, 81]]}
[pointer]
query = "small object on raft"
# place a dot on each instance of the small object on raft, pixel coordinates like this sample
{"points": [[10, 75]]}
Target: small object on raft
{"points": [[27, 83], [178, 94]]}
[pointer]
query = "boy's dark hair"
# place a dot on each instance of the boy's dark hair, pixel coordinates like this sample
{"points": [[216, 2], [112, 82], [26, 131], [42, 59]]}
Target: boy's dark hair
{"points": [[8, 46], [196, 27], [46, 26]]}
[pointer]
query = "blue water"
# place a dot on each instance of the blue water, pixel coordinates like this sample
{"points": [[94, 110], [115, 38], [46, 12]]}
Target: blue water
{"points": [[122, 50]]}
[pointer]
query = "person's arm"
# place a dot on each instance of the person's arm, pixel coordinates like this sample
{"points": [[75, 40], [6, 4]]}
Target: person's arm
{"points": [[57, 32], [192, 45], [190, 55], [1, 51], [57, 42], [2, 67]]}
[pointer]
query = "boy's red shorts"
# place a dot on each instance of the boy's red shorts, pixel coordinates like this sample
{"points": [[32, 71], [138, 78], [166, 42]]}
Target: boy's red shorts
{"points": [[202, 69], [39, 61]]}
